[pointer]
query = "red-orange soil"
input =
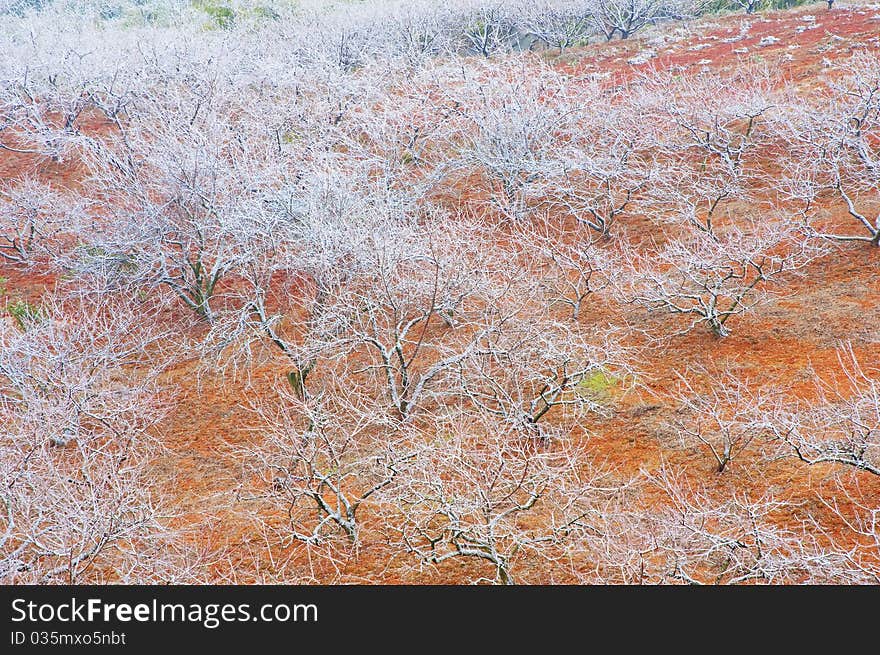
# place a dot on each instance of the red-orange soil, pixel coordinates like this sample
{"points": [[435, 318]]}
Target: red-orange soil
{"points": [[836, 300]]}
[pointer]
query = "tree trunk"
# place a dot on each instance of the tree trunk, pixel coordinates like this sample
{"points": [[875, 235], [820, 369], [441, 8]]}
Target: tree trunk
{"points": [[504, 575], [297, 379]]}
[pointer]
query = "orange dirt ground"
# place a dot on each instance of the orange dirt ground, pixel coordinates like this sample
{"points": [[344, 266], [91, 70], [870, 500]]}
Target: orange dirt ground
{"points": [[780, 343]]}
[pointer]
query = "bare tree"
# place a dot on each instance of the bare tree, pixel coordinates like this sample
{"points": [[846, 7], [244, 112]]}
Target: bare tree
{"points": [[422, 309], [840, 425], [531, 365], [475, 492], [835, 137], [694, 535], [724, 418], [855, 509], [423, 32], [381, 290], [604, 165], [721, 129], [489, 29], [39, 115], [511, 131], [319, 461], [77, 400], [180, 189], [69, 515], [626, 17], [558, 25], [36, 220], [750, 6], [712, 279], [575, 268], [61, 369]]}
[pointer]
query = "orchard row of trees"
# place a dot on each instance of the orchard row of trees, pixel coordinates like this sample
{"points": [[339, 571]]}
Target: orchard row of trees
{"points": [[481, 471], [352, 33], [693, 195], [457, 268]]}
